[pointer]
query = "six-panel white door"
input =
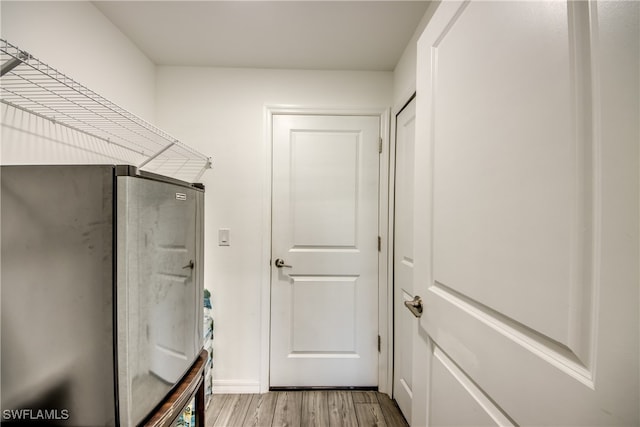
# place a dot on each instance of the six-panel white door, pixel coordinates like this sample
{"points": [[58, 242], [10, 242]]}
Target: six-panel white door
{"points": [[404, 324], [526, 215], [324, 296]]}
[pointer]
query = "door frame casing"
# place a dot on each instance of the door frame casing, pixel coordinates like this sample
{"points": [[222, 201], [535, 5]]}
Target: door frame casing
{"points": [[384, 314]]}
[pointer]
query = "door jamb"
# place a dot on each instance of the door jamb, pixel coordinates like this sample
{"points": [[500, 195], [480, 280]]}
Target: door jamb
{"points": [[385, 317]]}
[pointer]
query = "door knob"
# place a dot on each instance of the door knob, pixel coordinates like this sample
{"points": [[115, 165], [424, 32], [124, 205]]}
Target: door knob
{"points": [[415, 306], [280, 263]]}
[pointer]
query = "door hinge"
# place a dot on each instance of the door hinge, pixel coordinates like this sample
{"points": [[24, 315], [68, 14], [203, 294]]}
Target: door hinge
{"points": [[379, 244], [379, 343], [380, 145]]}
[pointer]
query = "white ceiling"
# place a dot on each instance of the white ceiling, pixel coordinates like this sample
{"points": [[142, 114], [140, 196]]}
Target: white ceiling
{"points": [[324, 35]]}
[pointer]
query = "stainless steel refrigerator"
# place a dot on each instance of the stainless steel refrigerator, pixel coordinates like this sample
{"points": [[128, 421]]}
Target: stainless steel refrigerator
{"points": [[101, 292]]}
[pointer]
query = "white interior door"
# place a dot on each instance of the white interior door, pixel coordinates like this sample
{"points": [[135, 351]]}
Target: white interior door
{"points": [[324, 294], [526, 214], [404, 324]]}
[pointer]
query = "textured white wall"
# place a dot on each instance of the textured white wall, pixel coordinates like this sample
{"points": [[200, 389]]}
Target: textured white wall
{"points": [[221, 113], [78, 40]]}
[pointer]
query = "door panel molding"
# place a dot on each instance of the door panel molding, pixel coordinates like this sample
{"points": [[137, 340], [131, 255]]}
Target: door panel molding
{"points": [[582, 259], [577, 309], [563, 268], [451, 375], [307, 215], [551, 351]]}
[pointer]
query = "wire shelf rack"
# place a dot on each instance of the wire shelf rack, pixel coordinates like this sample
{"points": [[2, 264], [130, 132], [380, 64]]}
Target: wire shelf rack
{"points": [[32, 86]]}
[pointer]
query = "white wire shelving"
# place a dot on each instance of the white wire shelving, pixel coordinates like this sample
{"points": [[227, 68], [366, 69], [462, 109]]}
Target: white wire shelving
{"points": [[32, 86]]}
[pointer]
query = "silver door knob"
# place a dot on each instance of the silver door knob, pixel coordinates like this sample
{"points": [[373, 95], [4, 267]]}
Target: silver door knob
{"points": [[280, 263], [415, 306]]}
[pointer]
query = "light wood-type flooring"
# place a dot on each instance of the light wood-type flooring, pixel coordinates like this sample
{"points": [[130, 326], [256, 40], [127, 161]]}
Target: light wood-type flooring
{"points": [[304, 409]]}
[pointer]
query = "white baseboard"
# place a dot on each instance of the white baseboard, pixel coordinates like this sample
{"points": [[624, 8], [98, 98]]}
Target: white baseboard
{"points": [[235, 386]]}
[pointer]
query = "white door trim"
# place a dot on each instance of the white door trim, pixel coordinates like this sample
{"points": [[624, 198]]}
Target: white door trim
{"points": [[385, 384]]}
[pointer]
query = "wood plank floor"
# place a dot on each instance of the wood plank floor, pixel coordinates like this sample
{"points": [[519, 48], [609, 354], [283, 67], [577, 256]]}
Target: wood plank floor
{"points": [[304, 409]]}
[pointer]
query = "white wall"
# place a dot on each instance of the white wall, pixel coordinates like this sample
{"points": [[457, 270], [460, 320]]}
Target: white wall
{"points": [[221, 113], [76, 38]]}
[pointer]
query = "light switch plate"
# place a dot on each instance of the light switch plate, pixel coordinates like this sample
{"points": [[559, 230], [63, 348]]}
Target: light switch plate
{"points": [[223, 237]]}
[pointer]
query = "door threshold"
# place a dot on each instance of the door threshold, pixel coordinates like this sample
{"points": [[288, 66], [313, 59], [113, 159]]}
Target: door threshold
{"points": [[322, 388]]}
